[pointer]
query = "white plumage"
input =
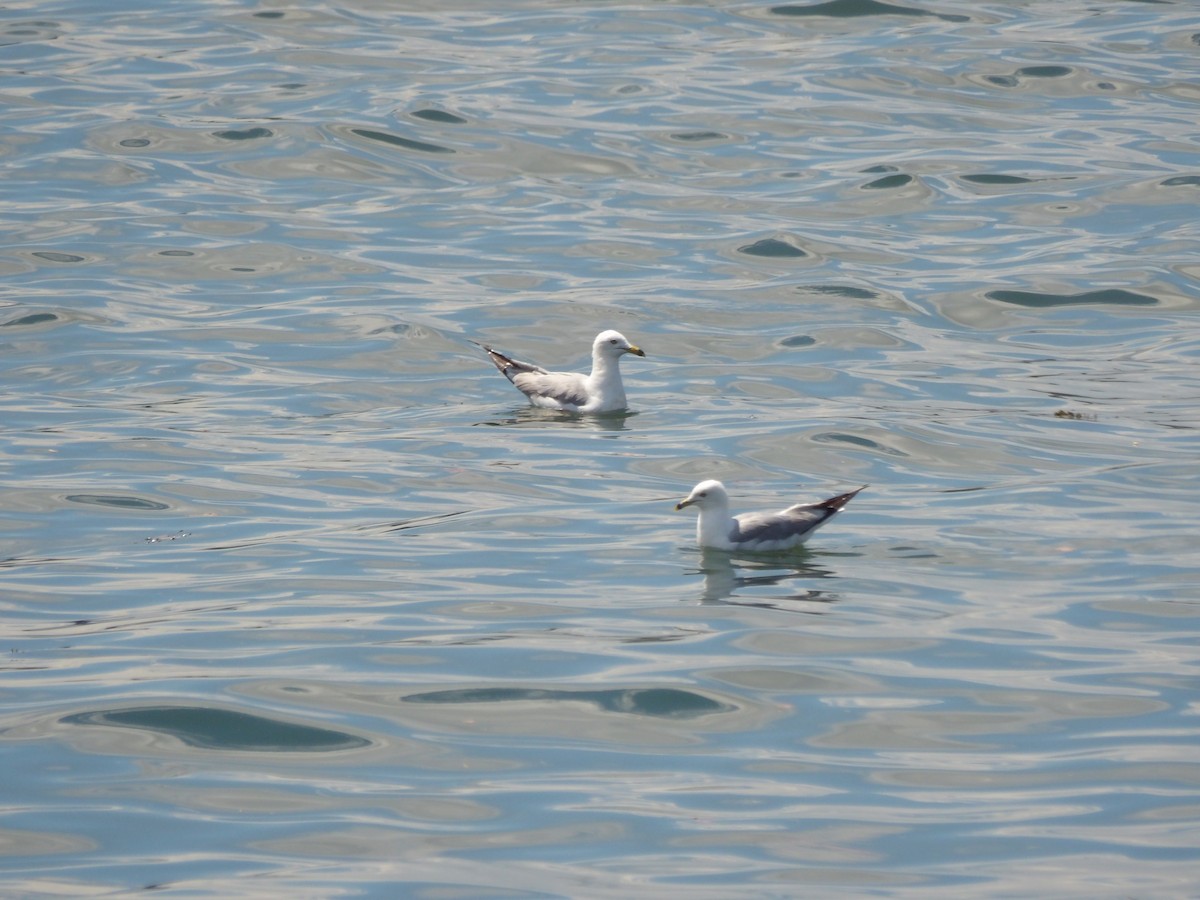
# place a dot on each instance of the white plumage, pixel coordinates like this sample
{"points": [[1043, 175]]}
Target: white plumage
{"points": [[600, 391], [718, 529]]}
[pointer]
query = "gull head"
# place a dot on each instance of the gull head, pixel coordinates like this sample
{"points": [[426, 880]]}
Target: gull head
{"points": [[614, 344], [705, 494]]}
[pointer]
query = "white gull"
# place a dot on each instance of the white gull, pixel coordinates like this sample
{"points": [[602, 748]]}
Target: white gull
{"points": [[757, 531], [599, 392]]}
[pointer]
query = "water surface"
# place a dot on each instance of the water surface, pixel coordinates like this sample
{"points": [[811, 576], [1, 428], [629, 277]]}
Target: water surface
{"points": [[298, 595]]}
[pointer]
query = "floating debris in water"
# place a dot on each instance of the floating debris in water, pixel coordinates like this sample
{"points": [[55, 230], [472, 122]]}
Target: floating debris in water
{"points": [[178, 535]]}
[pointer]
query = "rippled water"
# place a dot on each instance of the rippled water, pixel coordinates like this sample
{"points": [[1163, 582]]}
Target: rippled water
{"points": [[298, 596]]}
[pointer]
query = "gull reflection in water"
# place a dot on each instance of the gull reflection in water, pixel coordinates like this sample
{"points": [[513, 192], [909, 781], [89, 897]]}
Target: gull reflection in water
{"points": [[727, 576], [532, 417]]}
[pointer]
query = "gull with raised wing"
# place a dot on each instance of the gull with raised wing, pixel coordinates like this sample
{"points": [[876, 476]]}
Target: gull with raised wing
{"points": [[599, 392], [756, 532]]}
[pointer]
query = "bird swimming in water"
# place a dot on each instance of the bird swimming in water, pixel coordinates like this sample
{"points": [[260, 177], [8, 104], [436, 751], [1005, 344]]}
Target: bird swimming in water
{"points": [[716, 528], [601, 391]]}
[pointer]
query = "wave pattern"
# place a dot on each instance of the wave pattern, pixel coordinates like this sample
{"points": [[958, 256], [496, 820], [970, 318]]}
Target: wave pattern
{"points": [[295, 588]]}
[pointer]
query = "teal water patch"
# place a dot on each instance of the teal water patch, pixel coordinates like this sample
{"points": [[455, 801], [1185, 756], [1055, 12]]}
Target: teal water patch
{"points": [[439, 115], [1029, 72], [888, 181], [244, 134], [986, 178], [1044, 71], [30, 319], [1108, 297], [852, 9], [697, 136], [842, 290], [209, 728], [773, 247], [396, 141], [118, 501], [855, 440], [657, 702]]}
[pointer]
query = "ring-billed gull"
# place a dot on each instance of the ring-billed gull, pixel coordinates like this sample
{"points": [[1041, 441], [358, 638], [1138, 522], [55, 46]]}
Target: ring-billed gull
{"points": [[782, 530], [599, 392]]}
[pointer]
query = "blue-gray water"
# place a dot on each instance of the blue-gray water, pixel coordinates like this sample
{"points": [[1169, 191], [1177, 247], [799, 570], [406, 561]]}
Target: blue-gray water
{"points": [[299, 598]]}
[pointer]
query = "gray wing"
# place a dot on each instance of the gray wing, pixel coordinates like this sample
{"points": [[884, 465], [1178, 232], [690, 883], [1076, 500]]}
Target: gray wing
{"points": [[562, 387], [793, 522], [565, 388], [777, 526], [510, 368]]}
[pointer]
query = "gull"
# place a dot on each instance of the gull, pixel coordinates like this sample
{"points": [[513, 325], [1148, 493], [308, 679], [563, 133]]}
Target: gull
{"points": [[757, 531], [599, 392]]}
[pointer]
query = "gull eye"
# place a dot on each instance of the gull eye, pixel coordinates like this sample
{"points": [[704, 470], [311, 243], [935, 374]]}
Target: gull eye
{"points": [[704, 493], [613, 341]]}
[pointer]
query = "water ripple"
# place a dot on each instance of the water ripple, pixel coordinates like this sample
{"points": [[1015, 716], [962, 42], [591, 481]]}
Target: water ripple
{"points": [[290, 568]]}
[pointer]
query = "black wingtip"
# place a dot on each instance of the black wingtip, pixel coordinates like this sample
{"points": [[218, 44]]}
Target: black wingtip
{"points": [[505, 364], [836, 503]]}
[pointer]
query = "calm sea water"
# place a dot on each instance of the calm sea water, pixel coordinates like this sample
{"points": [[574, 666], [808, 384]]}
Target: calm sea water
{"points": [[300, 598]]}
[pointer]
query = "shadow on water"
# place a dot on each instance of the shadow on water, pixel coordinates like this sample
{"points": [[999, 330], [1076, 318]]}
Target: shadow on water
{"points": [[532, 416], [408, 524], [724, 581]]}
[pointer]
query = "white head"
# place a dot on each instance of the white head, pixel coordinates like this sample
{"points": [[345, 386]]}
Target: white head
{"points": [[614, 344], [705, 495]]}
